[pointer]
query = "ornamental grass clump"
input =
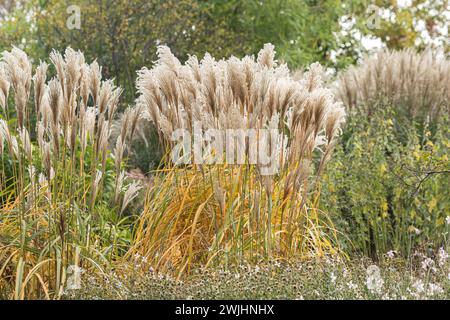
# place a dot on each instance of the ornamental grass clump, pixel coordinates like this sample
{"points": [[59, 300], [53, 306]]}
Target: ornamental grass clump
{"points": [[204, 211], [57, 174], [416, 83]]}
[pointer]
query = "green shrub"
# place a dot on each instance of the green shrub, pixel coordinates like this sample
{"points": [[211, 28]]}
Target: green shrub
{"points": [[388, 184]]}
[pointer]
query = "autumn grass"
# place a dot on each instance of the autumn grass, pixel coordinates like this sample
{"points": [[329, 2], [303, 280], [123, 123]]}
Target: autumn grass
{"points": [[219, 215]]}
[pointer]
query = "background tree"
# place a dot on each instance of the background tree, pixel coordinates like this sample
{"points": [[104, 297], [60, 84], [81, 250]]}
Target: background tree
{"points": [[403, 23]]}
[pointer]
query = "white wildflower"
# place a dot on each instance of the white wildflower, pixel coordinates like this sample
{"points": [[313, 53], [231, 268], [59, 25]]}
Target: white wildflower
{"points": [[374, 282], [333, 277], [434, 289], [391, 254], [419, 286], [442, 257], [427, 263], [351, 285]]}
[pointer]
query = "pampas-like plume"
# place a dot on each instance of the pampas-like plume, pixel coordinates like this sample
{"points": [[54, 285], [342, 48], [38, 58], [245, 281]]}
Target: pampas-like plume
{"points": [[46, 158], [14, 146], [131, 193], [18, 69], [119, 184], [4, 87], [118, 151], [418, 83], [4, 133], [55, 97], [242, 94], [26, 142], [95, 186], [95, 76], [39, 85]]}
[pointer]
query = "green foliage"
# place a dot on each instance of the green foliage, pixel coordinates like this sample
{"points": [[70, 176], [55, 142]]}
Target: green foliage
{"points": [[302, 31], [387, 184]]}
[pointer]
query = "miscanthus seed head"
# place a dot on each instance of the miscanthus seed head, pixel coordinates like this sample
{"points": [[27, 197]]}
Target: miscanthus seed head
{"points": [[244, 93]]}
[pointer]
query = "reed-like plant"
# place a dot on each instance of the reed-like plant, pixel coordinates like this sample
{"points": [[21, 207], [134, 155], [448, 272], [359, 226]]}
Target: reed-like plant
{"points": [[201, 214], [62, 191], [417, 83]]}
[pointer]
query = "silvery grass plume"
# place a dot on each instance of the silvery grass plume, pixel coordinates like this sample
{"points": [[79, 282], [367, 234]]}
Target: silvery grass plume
{"points": [[417, 82], [4, 87], [131, 193], [18, 74], [244, 93], [5, 136]]}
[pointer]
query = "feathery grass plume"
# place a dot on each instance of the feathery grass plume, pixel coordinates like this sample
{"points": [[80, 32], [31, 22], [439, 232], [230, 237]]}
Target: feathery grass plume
{"points": [[25, 142], [131, 193], [54, 187], [239, 94], [119, 185], [418, 83], [118, 151], [87, 127], [4, 135], [39, 85], [4, 87], [84, 87], [18, 69], [55, 99], [95, 186], [56, 103], [236, 212], [95, 76], [14, 147]]}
